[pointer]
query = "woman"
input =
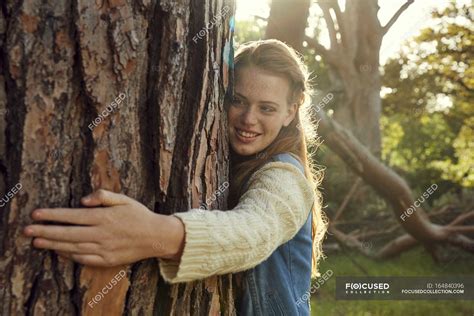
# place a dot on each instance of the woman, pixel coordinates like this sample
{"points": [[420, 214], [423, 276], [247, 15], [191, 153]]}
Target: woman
{"points": [[274, 229]]}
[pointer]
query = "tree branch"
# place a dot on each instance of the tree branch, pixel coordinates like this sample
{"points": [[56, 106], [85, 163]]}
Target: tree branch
{"points": [[396, 16], [348, 197], [327, 54], [330, 24], [340, 22], [396, 191], [258, 17], [462, 218]]}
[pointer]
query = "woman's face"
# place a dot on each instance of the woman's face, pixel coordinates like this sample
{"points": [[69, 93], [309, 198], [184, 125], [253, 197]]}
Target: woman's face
{"points": [[259, 110]]}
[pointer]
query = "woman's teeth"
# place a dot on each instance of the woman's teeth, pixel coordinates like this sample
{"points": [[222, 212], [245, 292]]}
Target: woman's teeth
{"points": [[246, 134]]}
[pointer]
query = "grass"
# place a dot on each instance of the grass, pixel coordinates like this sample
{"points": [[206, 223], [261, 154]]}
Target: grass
{"points": [[416, 262]]}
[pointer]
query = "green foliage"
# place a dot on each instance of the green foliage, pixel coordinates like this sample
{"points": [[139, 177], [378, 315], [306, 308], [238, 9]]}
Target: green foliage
{"points": [[428, 116]]}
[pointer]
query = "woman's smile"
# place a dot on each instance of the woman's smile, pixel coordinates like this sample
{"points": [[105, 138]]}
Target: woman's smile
{"points": [[246, 136]]}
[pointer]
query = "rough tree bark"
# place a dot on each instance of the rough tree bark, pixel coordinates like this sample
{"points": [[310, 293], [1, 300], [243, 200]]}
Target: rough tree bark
{"points": [[62, 64]]}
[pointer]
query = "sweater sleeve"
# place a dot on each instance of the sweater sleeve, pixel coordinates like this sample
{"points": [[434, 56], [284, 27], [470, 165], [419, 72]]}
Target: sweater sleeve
{"points": [[269, 213]]}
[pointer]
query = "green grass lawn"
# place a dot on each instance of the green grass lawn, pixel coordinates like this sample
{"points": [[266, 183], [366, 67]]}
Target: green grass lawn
{"points": [[416, 262]]}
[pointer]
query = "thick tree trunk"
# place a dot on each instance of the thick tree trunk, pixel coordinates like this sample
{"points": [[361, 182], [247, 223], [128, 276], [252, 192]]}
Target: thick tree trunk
{"points": [[355, 68], [61, 137], [286, 23]]}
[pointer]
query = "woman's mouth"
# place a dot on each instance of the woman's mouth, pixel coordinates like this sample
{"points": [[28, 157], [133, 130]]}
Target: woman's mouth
{"points": [[245, 136]]}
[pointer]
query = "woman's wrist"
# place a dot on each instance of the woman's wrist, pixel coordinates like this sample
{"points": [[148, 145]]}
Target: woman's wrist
{"points": [[168, 239]]}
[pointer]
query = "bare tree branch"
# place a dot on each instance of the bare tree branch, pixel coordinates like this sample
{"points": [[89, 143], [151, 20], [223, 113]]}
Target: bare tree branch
{"points": [[396, 191], [328, 55], [461, 229], [462, 218], [258, 17], [347, 199], [395, 247], [341, 23], [351, 242], [330, 24], [396, 16], [369, 234]]}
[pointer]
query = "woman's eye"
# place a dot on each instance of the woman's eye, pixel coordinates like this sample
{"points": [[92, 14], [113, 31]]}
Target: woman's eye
{"points": [[267, 108], [237, 101]]}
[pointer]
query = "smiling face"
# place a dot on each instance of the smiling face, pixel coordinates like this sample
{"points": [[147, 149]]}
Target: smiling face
{"points": [[258, 110]]}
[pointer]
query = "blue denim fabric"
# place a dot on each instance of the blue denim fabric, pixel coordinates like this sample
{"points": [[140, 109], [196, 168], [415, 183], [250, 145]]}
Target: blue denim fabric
{"points": [[274, 286]]}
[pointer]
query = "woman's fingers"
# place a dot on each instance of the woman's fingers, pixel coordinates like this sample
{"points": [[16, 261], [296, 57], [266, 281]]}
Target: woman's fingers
{"points": [[106, 198], [82, 248], [79, 216], [63, 233], [85, 259]]}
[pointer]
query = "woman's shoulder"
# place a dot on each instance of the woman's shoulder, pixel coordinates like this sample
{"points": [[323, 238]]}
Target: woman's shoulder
{"points": [[289, 158], [282, 172], [274, 170]]}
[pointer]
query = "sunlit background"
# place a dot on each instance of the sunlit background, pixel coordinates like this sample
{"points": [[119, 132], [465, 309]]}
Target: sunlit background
{"points": [[409, 24], [427, 138]]}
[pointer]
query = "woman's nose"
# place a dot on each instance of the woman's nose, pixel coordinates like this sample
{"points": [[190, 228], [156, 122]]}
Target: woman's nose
{"points": [[249, 116]]}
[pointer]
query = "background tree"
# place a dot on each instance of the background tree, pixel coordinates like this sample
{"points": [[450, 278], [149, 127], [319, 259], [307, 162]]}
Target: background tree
{"points": [[61, 66], [353, 67], [428, 95]]}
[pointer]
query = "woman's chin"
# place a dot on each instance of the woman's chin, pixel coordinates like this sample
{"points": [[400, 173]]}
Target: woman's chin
{"points": [[243, 150]]}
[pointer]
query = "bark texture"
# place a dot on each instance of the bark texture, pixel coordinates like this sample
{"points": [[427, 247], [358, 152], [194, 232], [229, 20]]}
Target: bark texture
{"points": [[62, 65]]}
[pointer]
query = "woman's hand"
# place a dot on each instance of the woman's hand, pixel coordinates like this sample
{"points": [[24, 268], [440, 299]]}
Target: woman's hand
{"points": [[114, 230]]}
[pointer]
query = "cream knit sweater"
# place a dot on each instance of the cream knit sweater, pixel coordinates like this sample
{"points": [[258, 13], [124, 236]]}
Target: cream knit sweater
{"points": [[269, 213]]}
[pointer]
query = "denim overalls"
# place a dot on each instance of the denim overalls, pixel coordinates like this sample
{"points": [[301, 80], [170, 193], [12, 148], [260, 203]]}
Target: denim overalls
{"points": [[274, 286]]}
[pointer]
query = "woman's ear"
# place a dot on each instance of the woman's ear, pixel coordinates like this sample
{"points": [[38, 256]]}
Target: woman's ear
{"points": [[291, 114]]}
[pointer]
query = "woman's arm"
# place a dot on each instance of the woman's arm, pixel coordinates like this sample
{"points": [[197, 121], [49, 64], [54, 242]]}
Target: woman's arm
{"points": [[274, 208], [116, 229]]}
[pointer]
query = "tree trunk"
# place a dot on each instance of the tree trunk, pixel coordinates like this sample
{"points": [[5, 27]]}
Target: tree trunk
{"points": [[352, 58], [355, 68], [287, 21], [62, 66]]}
